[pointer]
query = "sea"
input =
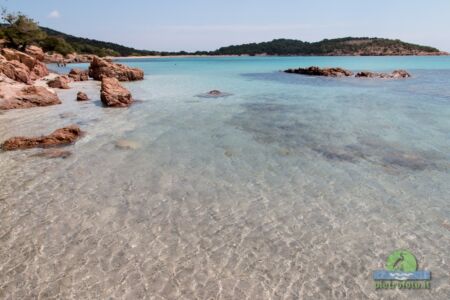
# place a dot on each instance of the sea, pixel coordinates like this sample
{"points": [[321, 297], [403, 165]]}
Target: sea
{"points": [[288, 187]]}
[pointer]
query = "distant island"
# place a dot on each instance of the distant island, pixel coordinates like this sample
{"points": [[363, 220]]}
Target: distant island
{"points": [[349, 46]]}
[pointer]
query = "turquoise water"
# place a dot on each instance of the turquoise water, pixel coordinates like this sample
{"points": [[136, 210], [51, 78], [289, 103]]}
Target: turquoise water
{"points": [[292, 187]]}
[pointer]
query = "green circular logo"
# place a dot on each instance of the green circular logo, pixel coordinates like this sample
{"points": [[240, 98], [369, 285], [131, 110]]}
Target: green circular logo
{"points": [[401, 260]]}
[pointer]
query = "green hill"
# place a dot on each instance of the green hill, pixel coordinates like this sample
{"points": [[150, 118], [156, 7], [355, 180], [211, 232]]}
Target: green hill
{"points": [[90, 46], [342, 46]]}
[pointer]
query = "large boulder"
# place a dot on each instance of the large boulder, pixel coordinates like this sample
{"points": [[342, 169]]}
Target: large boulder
{"points": [[17, 96], [100, 68], [60, 82], [15, 70], [35, 52], [113, 94], [316, 71], [79, 75], [60, 137]]}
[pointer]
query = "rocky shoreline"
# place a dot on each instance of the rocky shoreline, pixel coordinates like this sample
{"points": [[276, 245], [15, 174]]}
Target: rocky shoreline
{"points": [[25, 82]]}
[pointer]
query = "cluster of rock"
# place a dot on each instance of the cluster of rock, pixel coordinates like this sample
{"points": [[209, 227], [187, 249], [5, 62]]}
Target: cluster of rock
{"points": [[69, 58], [79, 75], [60, 137], [397, 74], [20, 70], [316, 71], [339, 72], [100, 68], [23, 67]]}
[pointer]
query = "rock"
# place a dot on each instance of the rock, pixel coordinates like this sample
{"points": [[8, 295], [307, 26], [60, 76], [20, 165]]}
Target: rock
{"points": [[215, 93], [113, 94], [53, 57], [79, 58], [100, 68], [60, 82], [35, 52], [82, 96], [316, 71], [34, 68], [397, 74], [79, 75], [27, 60], [124, 144], [30, 96], [60, 137], [400, 74], [15, 70], [40, 70]]}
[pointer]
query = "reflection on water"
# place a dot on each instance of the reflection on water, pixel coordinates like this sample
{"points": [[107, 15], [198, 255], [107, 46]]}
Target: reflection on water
{"points": [[282, 190]]}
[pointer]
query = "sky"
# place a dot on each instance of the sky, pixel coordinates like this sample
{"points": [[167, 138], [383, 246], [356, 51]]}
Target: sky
{"points": [[173, 25]]}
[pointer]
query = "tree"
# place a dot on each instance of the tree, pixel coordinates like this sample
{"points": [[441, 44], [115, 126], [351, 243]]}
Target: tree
{"points": [[21, 31], [57, 44]]}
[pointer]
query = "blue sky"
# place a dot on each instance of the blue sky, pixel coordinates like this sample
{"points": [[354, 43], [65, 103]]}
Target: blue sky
{"points": [[206, 25]]}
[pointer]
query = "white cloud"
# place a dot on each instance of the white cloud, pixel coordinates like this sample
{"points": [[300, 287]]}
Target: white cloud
{"points": [[54, 14]]}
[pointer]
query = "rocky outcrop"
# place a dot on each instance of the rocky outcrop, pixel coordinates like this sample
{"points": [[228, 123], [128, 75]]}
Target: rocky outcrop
{"points": [[60, 82], [82, 96], [60, 137], [15, 70], [339, 72], [79, 75], [100, 68], [113, 94], [397, 74], [79, 58], [53, 58], [35, 52], [316, 71], [17, 60], [16, 96]]}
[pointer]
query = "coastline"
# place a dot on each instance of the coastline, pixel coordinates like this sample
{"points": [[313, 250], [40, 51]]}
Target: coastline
{"points": [[264, 55]]}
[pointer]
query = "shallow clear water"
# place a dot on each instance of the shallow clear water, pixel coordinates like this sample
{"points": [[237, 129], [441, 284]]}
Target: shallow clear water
{"points": [[292, 187]]}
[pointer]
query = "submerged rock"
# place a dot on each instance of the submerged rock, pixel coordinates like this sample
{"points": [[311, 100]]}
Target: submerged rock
{"points": [[60, 82], [113, 94], [316, 71], [53, 153], [82, 96], [214, 94], [60, 137], [100, 68], [124, 144], [79, 75]]}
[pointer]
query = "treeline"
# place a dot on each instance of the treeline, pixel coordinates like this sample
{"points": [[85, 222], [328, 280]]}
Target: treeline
{"points": [[18, 31], [342, 46]]}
